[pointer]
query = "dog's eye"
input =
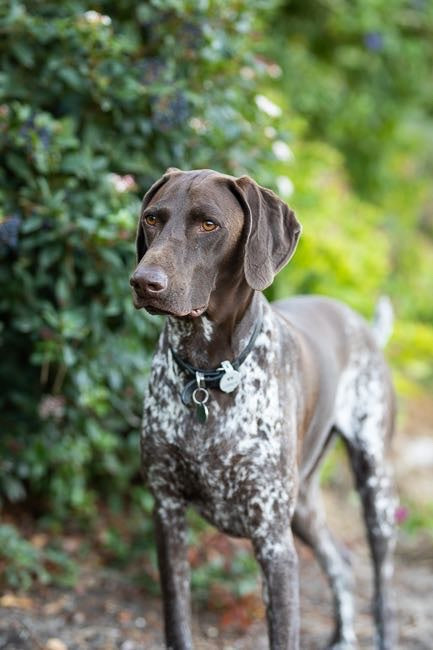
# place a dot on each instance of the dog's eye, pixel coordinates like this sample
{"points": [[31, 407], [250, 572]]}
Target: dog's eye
{"points": [[150, 219], [208, 225]]}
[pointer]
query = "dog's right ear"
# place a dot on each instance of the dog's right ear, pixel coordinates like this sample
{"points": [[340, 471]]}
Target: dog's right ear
{"points": [[140, 242]]}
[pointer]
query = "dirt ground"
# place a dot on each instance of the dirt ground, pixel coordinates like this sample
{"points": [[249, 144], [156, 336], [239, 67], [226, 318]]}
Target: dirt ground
{"points": [[105, 611]]}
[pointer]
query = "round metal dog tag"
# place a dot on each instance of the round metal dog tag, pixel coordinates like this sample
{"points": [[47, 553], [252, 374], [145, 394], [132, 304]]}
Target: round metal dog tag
{"points": [[200, 396], [230, 379]]}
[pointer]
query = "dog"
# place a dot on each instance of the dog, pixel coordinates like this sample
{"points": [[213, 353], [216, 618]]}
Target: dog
{"points": [[244, 398]]}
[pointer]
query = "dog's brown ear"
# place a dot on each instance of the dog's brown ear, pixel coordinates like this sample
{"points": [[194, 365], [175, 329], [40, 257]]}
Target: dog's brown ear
{"points": [[272, 233], [140, 242]]}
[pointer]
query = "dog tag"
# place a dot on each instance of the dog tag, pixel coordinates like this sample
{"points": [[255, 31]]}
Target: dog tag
{"points": [[200, 396], [230, 379], [202, 413]]}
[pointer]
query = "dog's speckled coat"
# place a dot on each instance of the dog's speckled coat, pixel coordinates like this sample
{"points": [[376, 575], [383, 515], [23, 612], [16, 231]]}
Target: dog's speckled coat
{"points": [[314, 370]]}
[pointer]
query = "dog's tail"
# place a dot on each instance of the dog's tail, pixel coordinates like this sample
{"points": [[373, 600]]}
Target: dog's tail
{"points": [[383, 321]]}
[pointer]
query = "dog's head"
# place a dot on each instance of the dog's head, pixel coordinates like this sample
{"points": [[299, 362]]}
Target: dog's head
{"points": [[199, 230]]}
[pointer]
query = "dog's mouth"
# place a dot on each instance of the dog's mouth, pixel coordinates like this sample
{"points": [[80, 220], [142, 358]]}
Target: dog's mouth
{"points": [[194, 313], [159, 311], [154, 307]]}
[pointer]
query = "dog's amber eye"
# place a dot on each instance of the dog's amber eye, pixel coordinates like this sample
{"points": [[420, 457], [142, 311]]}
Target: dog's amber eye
{"points": [[208, 225], [150, 219]]}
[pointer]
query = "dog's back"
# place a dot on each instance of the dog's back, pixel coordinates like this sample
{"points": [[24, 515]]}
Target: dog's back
{"points": [[336, 343]]}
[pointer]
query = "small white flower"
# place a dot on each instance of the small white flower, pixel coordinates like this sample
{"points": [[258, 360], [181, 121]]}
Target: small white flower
{"points": [[198, 125], [282, 150], [285, 186], [122, 183], [96, 18], [268, 107], [274, 70], [247, 72], [270, 132], [92, 16], [51, 406]]}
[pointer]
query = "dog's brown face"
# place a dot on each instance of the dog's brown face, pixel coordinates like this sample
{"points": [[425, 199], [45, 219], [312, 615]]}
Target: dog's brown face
{"points": [[199, 228], [190, 227]]}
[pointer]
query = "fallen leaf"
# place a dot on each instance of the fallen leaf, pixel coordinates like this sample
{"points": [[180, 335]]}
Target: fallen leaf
{"points": [[55, 644], [71, 544], [124, 617], [54, 607], [242, 613], [39, 540], [20, 602]]}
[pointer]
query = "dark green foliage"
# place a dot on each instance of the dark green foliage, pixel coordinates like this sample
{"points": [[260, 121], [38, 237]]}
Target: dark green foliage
{"points": [[21, 562], [356, 79], [353, 68], [93, 107], [418, 517]]}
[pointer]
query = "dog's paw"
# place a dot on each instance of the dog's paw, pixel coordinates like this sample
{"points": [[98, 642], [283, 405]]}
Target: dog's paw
{"points": [[342, 645], [343, 642]]}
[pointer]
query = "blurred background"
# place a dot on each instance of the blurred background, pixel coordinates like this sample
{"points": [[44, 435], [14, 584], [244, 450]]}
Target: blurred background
{"points": [[329, 103]]}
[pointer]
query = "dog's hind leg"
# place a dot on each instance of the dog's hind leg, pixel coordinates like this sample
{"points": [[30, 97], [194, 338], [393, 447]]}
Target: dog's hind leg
{"points": [[366, 419], [375, 487], [310, 526]]}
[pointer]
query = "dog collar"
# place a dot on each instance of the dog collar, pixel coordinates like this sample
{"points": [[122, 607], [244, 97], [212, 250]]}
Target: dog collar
{"points": [[225, 378]]}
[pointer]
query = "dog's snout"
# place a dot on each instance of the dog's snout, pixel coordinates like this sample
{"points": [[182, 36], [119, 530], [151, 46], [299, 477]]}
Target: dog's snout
{"points": [[149, 279]]}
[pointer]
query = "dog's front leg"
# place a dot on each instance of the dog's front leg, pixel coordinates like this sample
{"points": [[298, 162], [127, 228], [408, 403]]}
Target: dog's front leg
{"points": [[170, 529], [279, 562]]}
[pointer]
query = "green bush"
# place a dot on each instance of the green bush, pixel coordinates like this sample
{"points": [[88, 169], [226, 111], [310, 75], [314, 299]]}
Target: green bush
{"points": [[93, 107], [357, 71], [21, 562], [354, 84]]}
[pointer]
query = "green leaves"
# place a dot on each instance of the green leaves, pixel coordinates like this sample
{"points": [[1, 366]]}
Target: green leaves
{"points": [[26, 561]]}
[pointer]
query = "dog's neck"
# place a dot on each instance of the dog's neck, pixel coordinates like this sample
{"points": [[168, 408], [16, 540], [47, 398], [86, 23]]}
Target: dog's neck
{"points": [[220, 334]]}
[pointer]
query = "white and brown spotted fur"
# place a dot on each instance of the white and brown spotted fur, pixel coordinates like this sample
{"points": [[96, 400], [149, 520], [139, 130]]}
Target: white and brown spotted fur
{"points": [[207, 245]]}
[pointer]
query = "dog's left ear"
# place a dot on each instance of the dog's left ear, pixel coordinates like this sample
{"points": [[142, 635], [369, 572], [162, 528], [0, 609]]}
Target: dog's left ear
{"points": [[272, 233]]}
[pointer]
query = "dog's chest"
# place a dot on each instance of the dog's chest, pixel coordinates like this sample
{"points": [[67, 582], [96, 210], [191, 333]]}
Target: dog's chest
{"points": [[239, 451]]}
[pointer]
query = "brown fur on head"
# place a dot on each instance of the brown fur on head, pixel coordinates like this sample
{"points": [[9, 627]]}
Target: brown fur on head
{"points": [[198, 226]]}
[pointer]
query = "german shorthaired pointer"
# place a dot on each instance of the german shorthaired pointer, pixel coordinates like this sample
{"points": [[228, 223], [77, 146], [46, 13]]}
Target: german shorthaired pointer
{"points": [[244, 398]]}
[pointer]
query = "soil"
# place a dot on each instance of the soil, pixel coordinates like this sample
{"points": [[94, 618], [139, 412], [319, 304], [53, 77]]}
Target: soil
{"points": [[106, 611]]}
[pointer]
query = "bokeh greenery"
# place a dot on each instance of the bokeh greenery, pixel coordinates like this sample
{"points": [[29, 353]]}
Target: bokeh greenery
{"points": [[327, 103]]}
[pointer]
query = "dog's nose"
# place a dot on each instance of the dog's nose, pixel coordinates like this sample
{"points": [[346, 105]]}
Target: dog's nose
{"points": [[149, 279]]}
